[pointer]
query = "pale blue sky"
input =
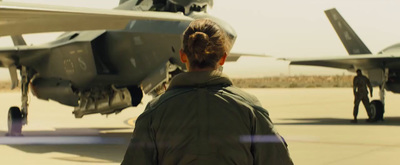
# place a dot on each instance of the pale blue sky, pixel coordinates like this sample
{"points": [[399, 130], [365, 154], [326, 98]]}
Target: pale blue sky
{"points": [[285, 28]]}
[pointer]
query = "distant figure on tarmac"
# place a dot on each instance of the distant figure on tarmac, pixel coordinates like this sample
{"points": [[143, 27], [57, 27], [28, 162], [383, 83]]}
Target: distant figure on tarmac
{"points": [[360, 84]]}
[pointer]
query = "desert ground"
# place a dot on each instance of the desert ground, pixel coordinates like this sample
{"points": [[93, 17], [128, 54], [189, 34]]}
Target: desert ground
{"points": [[314, 122], [269, 82]]}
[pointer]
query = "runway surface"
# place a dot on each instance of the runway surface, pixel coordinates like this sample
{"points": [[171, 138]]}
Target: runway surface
{"points": [[314, 122]]}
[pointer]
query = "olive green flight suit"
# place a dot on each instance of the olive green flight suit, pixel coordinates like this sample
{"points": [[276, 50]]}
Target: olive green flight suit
{"points": [[360, 84], [202, 119]]}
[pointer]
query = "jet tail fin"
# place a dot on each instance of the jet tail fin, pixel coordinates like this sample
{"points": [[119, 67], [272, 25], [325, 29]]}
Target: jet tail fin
{"points": [[349, 38]]}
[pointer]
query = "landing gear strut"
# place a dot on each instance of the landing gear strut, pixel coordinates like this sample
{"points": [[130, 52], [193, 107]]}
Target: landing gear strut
{"points": [[16, 117]]}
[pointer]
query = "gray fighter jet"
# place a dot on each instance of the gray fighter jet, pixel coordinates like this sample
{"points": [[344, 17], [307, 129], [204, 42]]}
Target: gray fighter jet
{"points": [[383, 68], [105, 61]]}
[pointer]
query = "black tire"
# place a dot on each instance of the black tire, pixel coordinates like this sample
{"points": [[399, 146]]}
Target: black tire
{"points": [[14, 121], [377, 110], [136, 95]]}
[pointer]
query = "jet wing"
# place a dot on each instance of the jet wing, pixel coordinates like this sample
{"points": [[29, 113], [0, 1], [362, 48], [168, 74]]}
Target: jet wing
{"points": [[365, 61], [234, 56], [22, 18]]}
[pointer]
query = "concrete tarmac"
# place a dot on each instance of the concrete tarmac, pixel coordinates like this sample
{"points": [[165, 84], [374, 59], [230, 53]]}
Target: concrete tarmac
{"points": [[315, 122]]}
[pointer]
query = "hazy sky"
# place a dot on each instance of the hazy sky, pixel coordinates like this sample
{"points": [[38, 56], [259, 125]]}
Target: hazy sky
{"points": [[285, 28]]}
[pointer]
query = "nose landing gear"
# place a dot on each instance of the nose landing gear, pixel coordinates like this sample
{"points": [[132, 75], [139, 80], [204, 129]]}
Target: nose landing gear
{"points": [[377, 107], [377, 110], [18, 117]]}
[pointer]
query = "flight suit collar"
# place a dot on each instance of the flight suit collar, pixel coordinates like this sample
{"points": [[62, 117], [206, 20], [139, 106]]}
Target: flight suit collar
{"points": [[200, 79]]}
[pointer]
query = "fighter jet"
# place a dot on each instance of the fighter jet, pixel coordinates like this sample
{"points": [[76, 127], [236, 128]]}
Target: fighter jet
{"points": [[383, 68], [105, 61]]}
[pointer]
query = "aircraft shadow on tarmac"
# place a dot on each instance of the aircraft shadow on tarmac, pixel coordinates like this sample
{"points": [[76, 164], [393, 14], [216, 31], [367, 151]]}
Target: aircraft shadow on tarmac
{"points": [[90, 146], [388, 121]]}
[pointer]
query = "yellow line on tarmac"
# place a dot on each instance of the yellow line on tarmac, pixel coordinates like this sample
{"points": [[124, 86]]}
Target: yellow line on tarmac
{"points": [[131, 121]]}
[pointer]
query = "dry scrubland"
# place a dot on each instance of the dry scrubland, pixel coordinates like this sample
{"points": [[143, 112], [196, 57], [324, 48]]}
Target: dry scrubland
{"points": [[267, 82], [295, 82]]}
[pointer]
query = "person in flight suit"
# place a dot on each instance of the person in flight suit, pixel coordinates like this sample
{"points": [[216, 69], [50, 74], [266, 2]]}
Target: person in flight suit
{"points": [[360, 84], [202, 118]]}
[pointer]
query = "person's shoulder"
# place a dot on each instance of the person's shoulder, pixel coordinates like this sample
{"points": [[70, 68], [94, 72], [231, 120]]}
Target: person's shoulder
{"points": [[159, 100], [242, 95], [364, 78], [246, 98], [360, 77]]}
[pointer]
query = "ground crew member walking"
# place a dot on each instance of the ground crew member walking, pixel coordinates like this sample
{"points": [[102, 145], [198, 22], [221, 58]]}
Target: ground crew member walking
{"points": [[360, 84]]}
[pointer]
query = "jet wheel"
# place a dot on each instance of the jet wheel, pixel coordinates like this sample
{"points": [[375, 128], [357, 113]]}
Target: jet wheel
{"points": [[377, 110], [136, 95], [14, 121]]}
